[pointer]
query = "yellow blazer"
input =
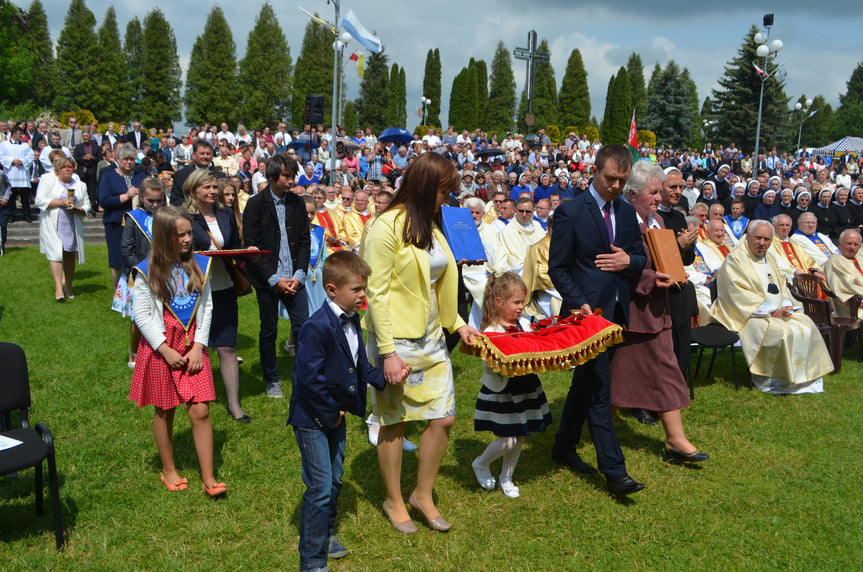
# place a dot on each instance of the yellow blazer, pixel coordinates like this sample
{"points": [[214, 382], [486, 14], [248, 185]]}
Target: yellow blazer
{"points": [[399, 294]]}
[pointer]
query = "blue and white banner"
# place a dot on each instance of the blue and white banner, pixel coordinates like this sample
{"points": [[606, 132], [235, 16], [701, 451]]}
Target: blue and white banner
{"points": [[363, 36]]}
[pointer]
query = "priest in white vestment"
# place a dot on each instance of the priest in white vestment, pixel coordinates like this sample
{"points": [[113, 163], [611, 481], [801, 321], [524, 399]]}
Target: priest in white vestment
{"points": [[710, 253], [782, 346], [845, 273], [475, 276], [519, 235], [815, 244]]}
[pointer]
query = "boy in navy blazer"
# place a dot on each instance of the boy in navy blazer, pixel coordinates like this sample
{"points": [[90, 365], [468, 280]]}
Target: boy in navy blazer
{"points": [[331, 373]]}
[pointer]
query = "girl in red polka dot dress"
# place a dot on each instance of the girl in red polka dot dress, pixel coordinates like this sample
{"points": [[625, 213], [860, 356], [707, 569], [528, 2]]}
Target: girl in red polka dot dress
{"points": [[172, 308]]}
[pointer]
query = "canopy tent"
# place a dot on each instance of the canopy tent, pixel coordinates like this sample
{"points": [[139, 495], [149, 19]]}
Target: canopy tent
{"points": [[852, 144]]}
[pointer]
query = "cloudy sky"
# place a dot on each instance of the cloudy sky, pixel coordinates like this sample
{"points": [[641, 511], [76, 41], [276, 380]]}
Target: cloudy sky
{"points": [[822, 47]]}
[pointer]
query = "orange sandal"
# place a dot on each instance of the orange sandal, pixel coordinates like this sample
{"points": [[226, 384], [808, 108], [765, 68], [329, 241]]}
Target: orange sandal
{"points": [[216, 490], [180, 485]]}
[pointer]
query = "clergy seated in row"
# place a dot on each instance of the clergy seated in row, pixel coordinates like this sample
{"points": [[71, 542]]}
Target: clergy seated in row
{"points": [[790, 258], [492, 211], [782, 346], [475, 276], [815, 244], [506, 212], [701, 212], [735, 221], [717, 212], [844, 273], [710, 253], [520, 235], [544, 299]]}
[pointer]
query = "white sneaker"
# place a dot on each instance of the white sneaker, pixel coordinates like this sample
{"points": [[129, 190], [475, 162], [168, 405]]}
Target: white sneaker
{"points": [[483, 475], [374, 429], [408, 446], [509, 488]]}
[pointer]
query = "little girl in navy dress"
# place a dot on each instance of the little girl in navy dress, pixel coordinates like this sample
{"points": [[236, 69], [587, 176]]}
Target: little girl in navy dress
{"points": [[172, 308], [509, 407]]}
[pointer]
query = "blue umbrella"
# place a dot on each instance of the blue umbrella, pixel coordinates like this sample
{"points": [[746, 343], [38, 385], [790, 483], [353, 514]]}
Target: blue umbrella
{"points": [[304, 148], [396, 135]]}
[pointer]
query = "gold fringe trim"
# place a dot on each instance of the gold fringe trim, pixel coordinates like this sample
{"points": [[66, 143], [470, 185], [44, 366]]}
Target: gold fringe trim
{"points": [[541, 362]]}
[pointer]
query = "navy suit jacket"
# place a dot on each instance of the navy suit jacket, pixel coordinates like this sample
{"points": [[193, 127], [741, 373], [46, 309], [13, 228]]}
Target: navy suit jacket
{"points": [[579, 236], [326, 381], [227, 226]]}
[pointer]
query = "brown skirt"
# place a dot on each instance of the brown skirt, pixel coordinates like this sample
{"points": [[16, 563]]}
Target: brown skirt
{"points": [[645, 373]]}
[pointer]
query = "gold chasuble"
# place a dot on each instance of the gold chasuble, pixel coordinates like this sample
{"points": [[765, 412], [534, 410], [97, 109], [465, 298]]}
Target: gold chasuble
{"points": [[785, 355], [845, 278]]}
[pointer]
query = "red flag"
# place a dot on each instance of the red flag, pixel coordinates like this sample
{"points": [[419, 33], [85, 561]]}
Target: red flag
{"points": [[633, 134], [354, 57]]}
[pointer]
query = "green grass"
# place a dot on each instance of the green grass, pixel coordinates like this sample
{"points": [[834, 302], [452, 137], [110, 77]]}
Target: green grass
{"points": [[781, 490]]}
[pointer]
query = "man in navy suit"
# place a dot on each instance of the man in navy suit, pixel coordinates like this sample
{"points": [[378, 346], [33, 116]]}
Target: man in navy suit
{"points": [[596, 251], [331, 373]]}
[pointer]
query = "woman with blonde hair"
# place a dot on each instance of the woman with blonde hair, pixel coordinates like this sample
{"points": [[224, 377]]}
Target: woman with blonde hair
{"points": [[63, 205]]}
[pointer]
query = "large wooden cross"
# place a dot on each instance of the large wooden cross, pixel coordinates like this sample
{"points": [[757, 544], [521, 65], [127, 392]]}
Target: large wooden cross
{"points": [[531, 55]]}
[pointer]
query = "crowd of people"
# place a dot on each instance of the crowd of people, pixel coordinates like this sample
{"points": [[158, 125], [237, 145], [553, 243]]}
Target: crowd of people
{"points": [[342, 223]]}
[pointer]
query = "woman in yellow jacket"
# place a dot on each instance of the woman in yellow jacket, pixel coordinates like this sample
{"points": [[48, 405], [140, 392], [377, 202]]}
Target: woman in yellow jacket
{"points": [[412, 294]]}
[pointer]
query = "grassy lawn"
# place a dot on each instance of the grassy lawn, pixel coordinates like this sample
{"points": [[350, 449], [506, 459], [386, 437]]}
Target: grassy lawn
{"points": [[781, 490]]}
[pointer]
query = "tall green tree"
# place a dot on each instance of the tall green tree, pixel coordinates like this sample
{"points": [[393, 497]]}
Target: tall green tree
{"points": [[111, 91], [621, 110], [37, 41], [815, 128], [161, 72], [638, 91], [265, 72], [696, 139], [397, 98], [669, 111], [545, 105], [16, 62], [133, 51], [735, 102], [501, 96], [77, 59], [432, 86], [848, 119], [481, 72], [373, 102], [574, 97], [605, 126], [349, 116], [462, 100], [211, 80], [313, 74]]}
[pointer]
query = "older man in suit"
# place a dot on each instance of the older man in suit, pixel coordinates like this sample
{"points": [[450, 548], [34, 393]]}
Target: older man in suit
{"points": [[596, 250], [202, 157], [275, 220]]}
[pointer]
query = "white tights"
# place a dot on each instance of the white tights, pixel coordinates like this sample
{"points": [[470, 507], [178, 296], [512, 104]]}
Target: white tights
{"points": [[507, 447]]}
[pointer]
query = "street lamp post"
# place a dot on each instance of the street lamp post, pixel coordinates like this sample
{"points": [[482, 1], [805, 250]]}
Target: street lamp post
{"points": [[764, 51], [335, 111], [806, 115], [425, 103]]}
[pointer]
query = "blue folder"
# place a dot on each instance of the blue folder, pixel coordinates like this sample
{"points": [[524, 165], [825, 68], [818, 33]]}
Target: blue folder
{"points": [[462, 235]]}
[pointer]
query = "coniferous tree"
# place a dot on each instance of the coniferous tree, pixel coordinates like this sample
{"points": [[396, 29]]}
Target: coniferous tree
{"points": [[349, 116], [403, 98], [313, 74], [459, 101], [735, 103], [133, 49], [160, 72], [816, 128], [211, 80], [669, 111], [432, 86], [635, 72], [848, 118], [481, 72], [77, 59], [501, 97], [111, 92], [38, 46], [621, 109], [16, 62], [654, 79], [393, 99], [695, 139], [373, 102], [265, 72], [574, 97], [605, 126]]}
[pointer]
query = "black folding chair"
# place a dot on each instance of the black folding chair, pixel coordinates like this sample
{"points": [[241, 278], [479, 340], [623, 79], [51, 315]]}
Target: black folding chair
{"points": [[36, 444]]}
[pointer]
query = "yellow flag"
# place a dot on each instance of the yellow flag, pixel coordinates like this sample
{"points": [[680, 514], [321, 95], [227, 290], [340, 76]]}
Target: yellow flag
{"points": [[360, 69]]}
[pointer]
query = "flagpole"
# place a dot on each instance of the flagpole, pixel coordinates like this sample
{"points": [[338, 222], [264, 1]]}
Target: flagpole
{"points": [[334, 115]]}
